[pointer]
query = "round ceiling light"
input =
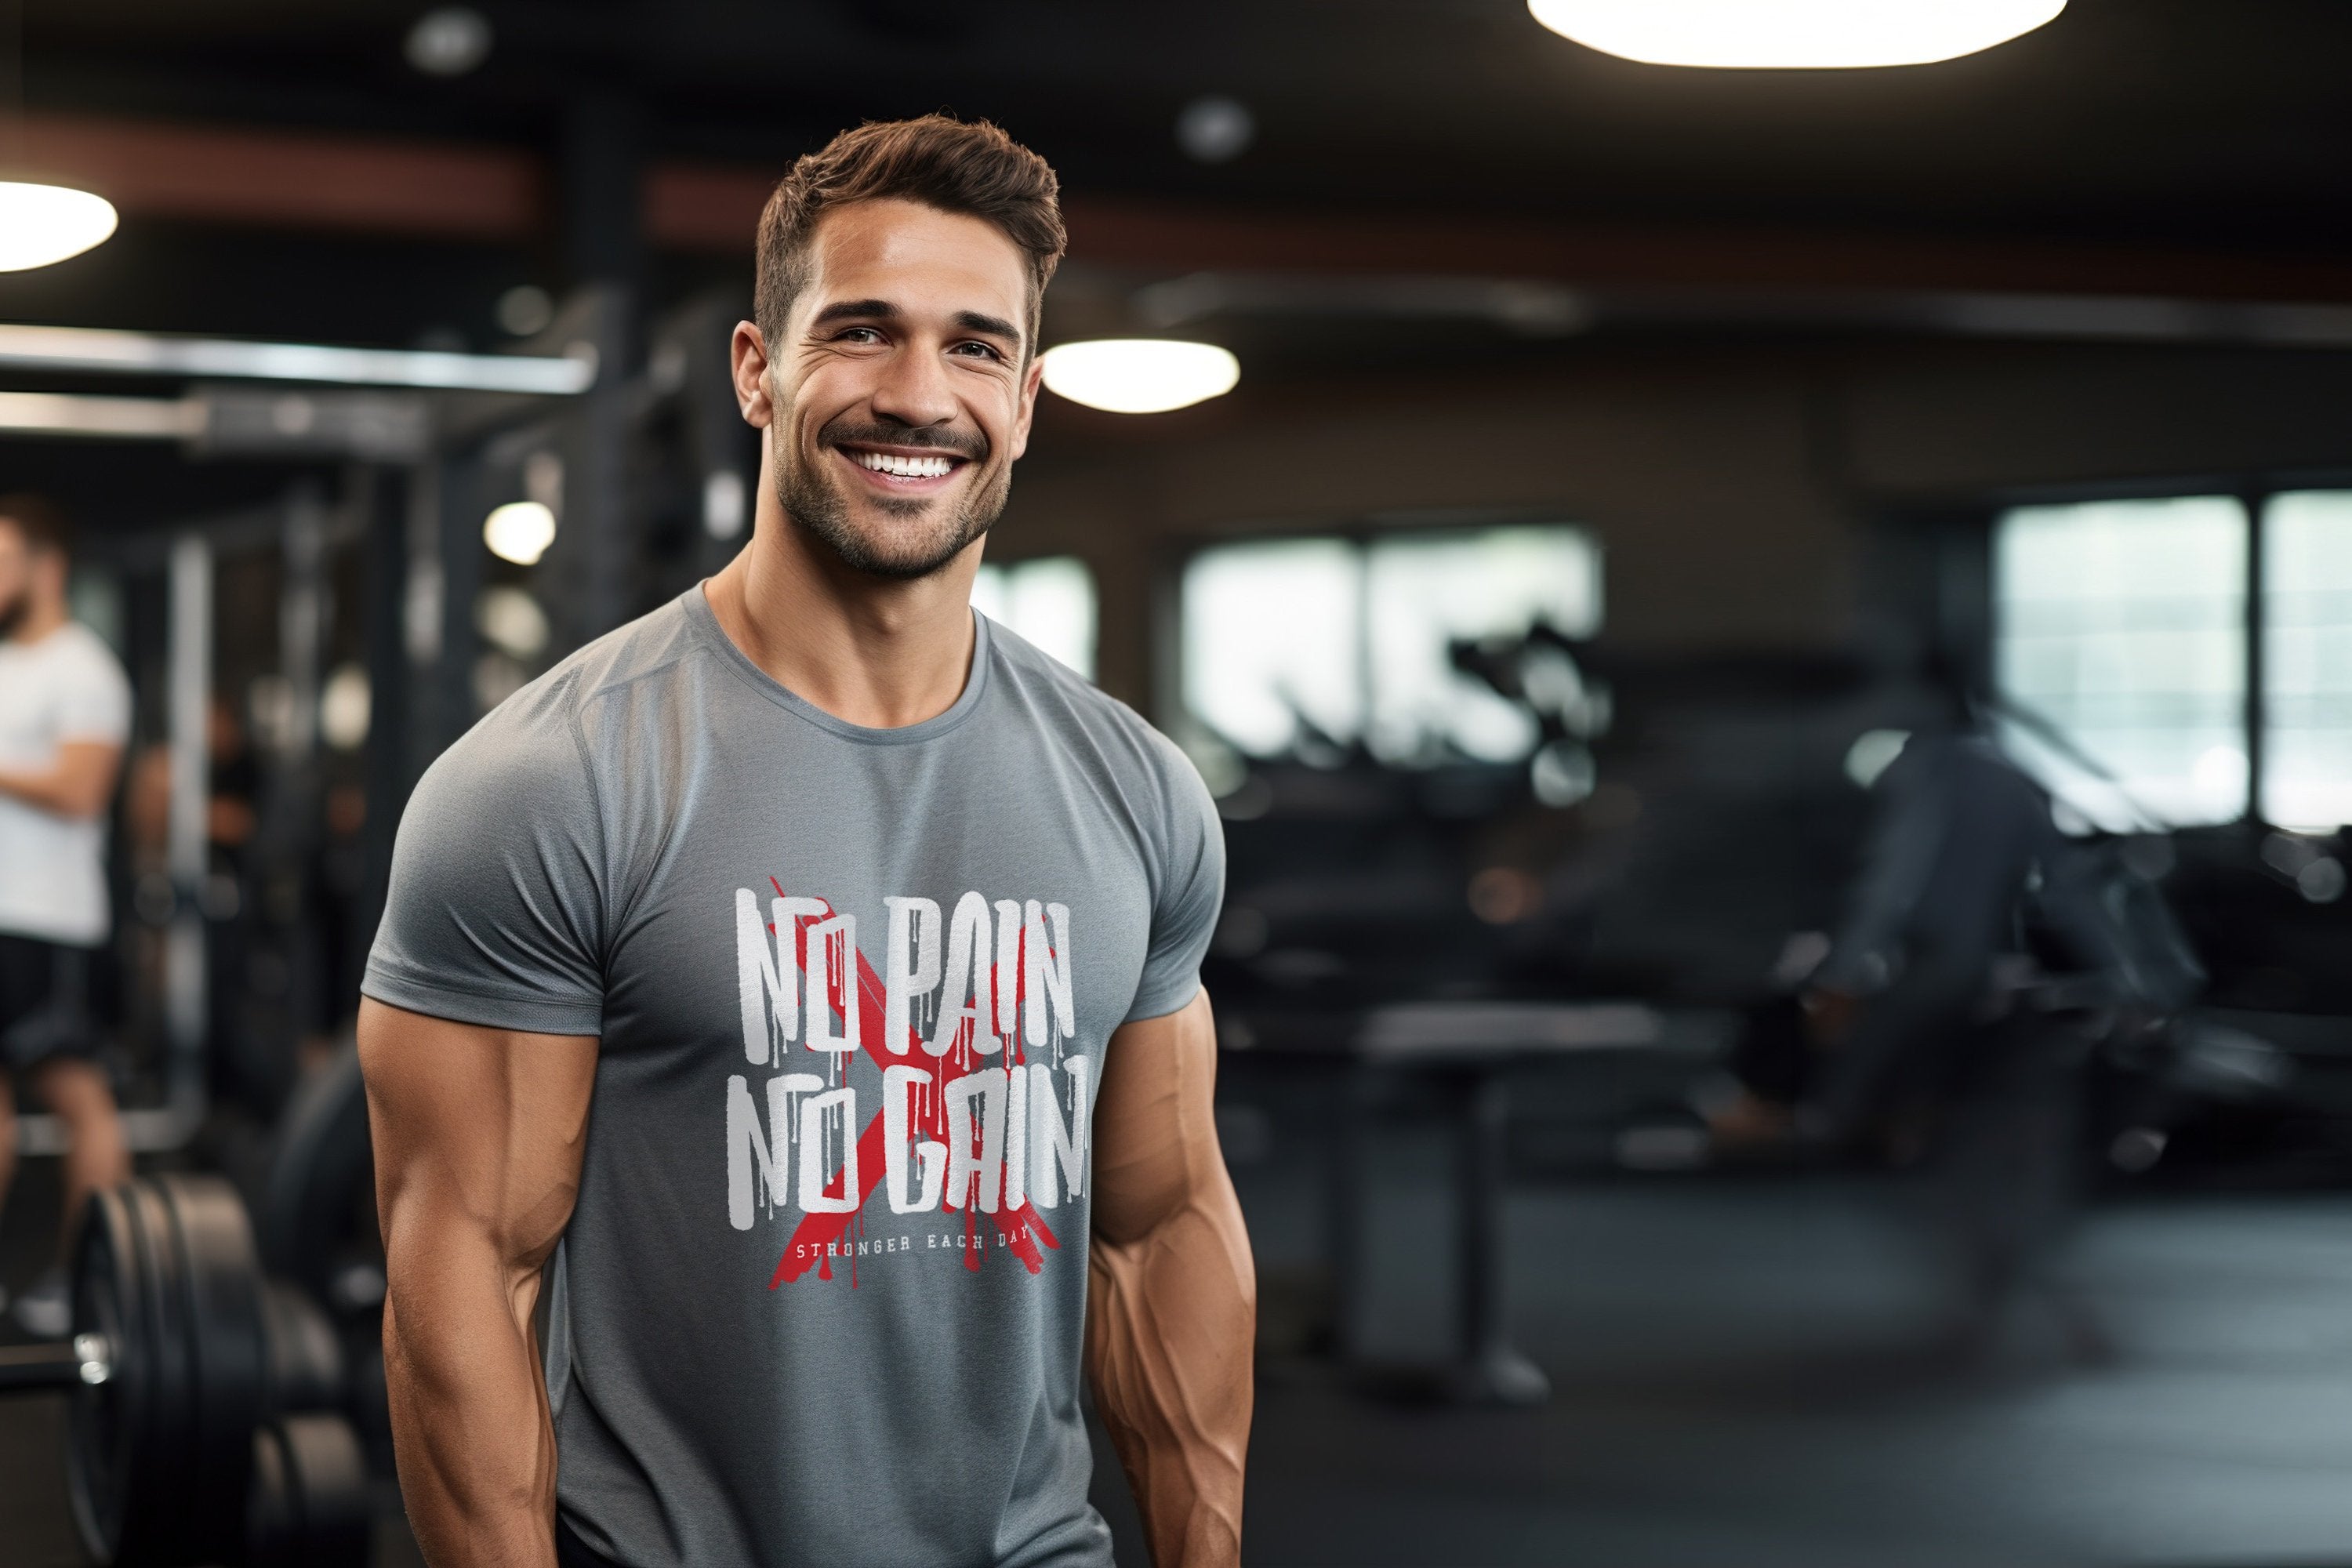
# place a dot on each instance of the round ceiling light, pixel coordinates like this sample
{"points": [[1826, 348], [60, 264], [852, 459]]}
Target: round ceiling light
{"points": [[41, 224], [449, 41], [520, 531], [1140, 376], [1792, 35]]}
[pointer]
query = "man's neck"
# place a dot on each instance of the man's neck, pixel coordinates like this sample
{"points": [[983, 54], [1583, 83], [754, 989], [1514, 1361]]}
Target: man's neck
{"points": [[871, 651], [41, 618]]}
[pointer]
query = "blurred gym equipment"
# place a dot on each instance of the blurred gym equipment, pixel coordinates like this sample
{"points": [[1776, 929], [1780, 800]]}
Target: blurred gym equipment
{"points": [[207, 1398], [1457, 1059]]}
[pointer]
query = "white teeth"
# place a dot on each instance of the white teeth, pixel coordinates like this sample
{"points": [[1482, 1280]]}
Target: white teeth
{"points": [[904, 468]]}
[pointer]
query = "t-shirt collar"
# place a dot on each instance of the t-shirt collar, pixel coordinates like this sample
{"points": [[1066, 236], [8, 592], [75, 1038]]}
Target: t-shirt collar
{"points": [[705, 622]]}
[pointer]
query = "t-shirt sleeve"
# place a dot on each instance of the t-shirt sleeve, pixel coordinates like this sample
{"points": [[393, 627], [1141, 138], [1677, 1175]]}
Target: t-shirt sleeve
{"points": [[495, 914], [1192, 891], [94, 698]]}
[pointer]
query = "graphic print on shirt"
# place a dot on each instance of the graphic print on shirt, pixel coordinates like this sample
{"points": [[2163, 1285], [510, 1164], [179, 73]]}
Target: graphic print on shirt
{"points": [[985, 1105]]}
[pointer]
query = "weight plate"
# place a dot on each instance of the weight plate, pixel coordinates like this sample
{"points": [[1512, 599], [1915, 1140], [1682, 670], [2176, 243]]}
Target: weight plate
{"points": [[316, 1203], [310, 1503], [155, 1483], [306, 1355], [104, 1419], [220, 1278], [166, 1276]]}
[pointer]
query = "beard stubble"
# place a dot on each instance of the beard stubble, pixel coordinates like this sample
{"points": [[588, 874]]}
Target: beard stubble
{"points": [[815, 501]]}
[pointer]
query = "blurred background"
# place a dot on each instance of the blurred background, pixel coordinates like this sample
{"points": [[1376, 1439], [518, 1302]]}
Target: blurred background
{"points": [[1677, 536]]}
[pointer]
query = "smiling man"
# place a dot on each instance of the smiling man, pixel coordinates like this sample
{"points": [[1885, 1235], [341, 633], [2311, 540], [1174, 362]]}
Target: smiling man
{"points": [[799, 988]]}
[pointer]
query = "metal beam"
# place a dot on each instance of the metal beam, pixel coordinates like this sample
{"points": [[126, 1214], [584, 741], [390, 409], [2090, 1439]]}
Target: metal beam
{"points": [[103, 418], [109, 352]]}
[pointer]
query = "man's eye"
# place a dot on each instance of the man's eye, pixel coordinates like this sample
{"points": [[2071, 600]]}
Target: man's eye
{"points": [[985, 350], [860, 335]]}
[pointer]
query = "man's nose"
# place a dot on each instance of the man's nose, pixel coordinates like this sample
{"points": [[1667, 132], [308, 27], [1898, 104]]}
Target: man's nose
{"points": [[914, 389]]}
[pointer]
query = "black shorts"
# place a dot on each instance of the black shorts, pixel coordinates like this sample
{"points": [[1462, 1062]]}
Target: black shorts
{"points": [[571, 1551], [44, 1002]]}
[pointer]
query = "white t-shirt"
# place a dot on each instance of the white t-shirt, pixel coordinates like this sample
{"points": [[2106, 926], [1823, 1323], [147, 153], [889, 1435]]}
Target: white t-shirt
{"points": [[66, 687]]}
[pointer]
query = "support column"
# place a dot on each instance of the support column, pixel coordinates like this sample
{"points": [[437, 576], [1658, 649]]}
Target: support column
{"points": [[603, 229], [377, 496], [188, 841]]}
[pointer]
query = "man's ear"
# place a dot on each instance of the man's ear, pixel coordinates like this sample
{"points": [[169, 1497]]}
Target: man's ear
{"points": [[1031, 379], [747, 359]]}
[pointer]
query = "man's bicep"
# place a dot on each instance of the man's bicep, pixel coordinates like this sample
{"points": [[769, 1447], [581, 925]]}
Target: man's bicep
{"points": [[1155, 1121], [475, 1126]]}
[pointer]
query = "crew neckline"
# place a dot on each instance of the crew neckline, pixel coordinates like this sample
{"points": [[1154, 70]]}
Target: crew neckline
{"points": [[705, 622]]}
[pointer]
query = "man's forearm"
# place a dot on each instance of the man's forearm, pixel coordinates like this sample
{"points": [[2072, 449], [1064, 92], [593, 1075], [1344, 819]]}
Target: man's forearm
{"points": [[1171, 1325], [78, 783], [55, 790], [470, 1425]]}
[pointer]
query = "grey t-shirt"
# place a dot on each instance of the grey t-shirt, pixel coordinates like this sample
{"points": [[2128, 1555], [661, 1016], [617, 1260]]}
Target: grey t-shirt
{"points": [[821, 1298]]}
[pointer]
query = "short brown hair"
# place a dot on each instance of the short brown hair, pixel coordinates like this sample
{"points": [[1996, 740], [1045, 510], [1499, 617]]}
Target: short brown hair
{"points": [[955, 166], [44, 528]]}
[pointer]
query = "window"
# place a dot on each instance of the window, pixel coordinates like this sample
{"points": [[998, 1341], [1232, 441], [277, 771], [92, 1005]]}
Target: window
{"points": [[1271, 638], [1425, 592], [1349, 639], [1049, 601], [2307, 658], [2122, 624]]}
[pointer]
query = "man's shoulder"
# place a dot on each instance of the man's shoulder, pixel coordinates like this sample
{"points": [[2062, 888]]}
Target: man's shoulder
{"points": [[1081, 719], [1077, 710], [649, 646], [542, 723], [76, 647]]}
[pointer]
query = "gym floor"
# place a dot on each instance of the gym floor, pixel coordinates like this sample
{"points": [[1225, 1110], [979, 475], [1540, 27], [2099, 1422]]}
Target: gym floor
{"points": [[1742, 1380]]}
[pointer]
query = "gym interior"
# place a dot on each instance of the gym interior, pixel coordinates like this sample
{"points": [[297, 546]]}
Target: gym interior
{"points": [[1617, 488]]}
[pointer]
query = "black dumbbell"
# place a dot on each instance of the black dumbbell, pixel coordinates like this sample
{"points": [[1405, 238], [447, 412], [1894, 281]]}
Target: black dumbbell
{"points": [[200, 1426]]}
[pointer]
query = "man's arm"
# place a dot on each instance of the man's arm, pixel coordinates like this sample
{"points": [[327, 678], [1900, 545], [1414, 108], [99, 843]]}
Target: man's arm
{"points": [[1172, 1312], [478, 1134], [77, 786]]}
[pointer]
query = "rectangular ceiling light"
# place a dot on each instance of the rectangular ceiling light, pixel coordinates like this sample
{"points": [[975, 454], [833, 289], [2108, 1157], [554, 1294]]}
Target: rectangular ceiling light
{"points": [[90, 348]]}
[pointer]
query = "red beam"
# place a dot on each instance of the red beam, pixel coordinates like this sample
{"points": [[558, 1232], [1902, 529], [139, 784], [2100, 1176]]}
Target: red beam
{"points": [[288, 180], [500, 193], [701, 207]]}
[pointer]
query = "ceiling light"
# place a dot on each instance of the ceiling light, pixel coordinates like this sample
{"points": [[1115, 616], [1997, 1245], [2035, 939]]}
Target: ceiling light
{"points": [[41, 224], [1215, 130], [344, 704], [450, 41], [1140, 376], [512, 622], [524, 309], [520, 531], [1792, 35]]}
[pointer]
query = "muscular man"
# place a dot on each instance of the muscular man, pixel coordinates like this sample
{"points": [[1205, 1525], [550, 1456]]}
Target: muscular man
{"points": [[65, 713], [801, 983]]}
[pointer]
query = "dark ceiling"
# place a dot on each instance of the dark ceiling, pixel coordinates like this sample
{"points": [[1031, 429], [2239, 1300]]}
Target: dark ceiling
{"points": [[2168, 120], [2130, 126]]}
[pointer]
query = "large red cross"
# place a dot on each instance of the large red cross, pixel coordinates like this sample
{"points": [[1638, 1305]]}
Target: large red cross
{"points": [[1021, 1226]]}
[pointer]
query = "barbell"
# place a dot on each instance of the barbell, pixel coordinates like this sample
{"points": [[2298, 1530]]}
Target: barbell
{"points": [[203, 1424]]}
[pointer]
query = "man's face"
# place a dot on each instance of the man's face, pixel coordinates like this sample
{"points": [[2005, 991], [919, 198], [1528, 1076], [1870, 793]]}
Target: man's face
{"points": [[15, 578], [900, 395]]}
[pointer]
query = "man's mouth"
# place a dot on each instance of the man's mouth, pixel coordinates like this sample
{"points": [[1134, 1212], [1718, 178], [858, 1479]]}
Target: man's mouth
{"points": [[901, 469]]}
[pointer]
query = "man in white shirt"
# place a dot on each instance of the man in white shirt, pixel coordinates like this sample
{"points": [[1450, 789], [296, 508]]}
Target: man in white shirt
{"points": [[65, 713]]}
